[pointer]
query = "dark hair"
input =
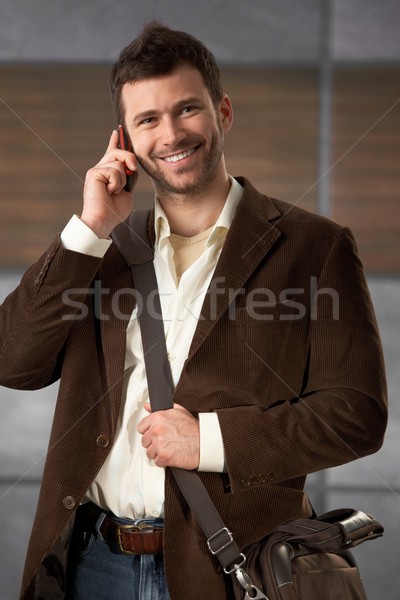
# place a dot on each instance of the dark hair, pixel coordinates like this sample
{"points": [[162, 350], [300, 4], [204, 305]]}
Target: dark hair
{"points": [[158, 50]]}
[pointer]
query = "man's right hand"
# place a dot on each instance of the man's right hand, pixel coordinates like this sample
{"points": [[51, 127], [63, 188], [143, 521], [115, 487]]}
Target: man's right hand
{"points": [[105, 202]]}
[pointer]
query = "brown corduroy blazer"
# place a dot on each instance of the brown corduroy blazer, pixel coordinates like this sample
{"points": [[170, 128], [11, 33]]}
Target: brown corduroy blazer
{"points": [[287, 352]]}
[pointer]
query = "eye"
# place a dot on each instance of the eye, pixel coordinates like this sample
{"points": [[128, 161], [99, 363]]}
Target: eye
{"points": [[189, 109], [147, 121]]}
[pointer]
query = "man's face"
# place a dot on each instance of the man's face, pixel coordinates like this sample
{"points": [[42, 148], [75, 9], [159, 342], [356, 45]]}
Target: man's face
{"points": [[176, 131]]}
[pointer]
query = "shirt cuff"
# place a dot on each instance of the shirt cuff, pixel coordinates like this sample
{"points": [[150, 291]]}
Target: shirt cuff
{"points": [[212, 455], [79, 237]]}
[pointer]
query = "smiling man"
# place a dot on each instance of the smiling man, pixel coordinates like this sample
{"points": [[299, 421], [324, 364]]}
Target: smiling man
{"points": [[271, 337]]}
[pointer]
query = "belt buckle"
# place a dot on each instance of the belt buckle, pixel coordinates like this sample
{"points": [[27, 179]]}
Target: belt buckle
{"points": [[128, 528]]}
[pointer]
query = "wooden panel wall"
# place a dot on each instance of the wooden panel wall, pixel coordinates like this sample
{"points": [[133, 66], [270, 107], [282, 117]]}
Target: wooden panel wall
{"points": [[275, 132], [366, 155], [53, 128], [55, 120]]}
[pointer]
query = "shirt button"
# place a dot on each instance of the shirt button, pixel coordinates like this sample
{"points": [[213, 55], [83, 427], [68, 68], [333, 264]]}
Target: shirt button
{"points": [[69, 502], [171, 357], [156, 514], [102, 441]]}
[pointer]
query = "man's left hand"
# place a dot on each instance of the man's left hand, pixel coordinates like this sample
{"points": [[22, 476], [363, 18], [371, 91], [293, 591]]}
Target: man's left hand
{"points": [[171, 437]]}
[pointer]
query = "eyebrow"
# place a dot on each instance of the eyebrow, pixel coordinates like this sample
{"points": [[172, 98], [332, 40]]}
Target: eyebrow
{"points": [[143, 115], [176, 106]]}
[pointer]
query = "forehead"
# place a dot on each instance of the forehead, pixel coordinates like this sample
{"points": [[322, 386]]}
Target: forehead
{"points": [[159, 92]]}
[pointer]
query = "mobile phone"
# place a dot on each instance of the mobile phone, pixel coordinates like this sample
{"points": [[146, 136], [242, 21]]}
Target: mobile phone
{"points": [[125, 144]]}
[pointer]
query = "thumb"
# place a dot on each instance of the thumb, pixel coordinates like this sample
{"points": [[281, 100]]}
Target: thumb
{"points": [[147, 406]]}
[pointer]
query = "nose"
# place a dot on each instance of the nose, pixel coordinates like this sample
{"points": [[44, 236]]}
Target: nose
{"points": [[173, 132]]}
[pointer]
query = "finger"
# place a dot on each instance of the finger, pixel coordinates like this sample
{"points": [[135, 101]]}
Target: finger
{"points": [[146, 441], [130, 161], [115, 154], [116, 181], [143, 425], [113, 143], [122, 157], [151, 452]]}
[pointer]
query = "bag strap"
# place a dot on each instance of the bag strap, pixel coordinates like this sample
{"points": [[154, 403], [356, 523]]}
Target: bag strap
{"points": [[333, 531], [131, 238]]}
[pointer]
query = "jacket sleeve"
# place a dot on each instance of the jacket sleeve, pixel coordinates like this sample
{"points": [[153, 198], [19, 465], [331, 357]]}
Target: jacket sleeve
{"points": [[340, 413], [36, 317]]}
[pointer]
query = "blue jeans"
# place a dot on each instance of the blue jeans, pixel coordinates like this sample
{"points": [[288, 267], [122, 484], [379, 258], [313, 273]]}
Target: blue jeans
{"points": [[95, 572]]}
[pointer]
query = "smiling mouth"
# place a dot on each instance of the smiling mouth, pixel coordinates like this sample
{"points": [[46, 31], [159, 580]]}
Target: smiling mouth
{"points": [[180, 156]]}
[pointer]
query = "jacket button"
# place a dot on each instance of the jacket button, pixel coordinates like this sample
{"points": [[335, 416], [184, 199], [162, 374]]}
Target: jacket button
{"points": [[269, 476], [253, 480], [246, 483], [102, 441], [69, 502]]}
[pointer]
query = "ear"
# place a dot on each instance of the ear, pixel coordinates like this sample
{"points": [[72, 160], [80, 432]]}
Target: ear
{"points": [[226, 113]]}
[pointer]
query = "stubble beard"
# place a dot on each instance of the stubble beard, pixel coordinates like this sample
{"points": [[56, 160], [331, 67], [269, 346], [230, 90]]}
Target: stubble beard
{"points": [[172, 185]]}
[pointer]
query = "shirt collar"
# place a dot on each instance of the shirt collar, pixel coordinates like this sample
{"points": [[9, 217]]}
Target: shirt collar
{"points": [[224, 221]]}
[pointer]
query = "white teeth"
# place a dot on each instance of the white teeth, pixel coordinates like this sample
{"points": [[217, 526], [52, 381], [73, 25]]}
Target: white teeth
{"points": [[177, 157]]}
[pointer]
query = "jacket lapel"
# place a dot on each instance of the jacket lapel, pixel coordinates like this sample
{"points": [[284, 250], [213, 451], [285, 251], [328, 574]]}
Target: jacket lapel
{"points": [[250, 238]]}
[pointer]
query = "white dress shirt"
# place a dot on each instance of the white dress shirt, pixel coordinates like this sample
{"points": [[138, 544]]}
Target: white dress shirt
{"points": [[129, 484]]}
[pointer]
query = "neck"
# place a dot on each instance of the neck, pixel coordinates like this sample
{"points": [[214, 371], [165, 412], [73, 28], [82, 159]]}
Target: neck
{"points": [[191, 214]]}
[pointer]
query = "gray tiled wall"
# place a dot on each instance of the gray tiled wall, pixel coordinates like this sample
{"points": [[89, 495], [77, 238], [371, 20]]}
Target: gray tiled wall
{"points": [[277, 31]]}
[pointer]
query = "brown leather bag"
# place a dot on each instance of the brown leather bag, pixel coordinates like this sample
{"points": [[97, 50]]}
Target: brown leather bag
{"points": [[308, 559]]}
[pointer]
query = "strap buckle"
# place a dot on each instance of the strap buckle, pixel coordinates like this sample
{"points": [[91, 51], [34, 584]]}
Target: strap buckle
{"points": [[225, 543]]}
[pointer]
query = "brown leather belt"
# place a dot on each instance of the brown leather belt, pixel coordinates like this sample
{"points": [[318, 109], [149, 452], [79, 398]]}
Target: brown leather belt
{"points": [[126, 538]]}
